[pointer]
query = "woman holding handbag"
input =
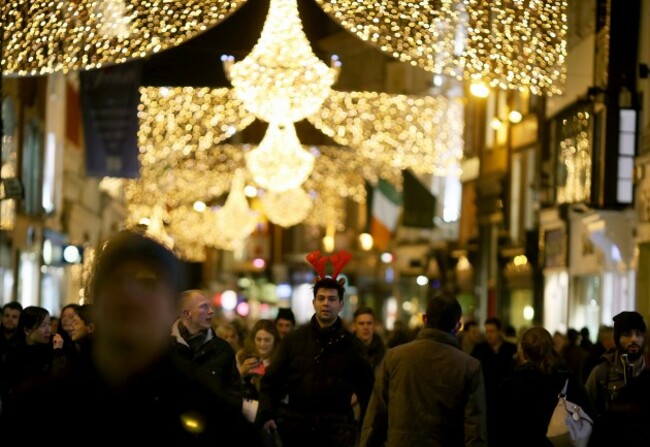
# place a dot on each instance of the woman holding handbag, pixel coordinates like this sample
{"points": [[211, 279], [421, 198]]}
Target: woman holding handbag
{"points": [[527, 398]]}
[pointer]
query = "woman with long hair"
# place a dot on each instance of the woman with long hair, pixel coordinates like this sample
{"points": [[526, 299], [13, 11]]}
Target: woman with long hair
{"points": [[526, 399]]}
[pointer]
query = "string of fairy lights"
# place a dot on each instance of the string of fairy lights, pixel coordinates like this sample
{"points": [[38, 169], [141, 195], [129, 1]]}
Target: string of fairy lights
{"points": [[405, 132], [509, 44], [46, 36]]}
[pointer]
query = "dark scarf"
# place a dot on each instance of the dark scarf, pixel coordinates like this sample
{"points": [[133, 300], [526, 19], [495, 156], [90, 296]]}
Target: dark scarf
{"points": [[194, 341]]}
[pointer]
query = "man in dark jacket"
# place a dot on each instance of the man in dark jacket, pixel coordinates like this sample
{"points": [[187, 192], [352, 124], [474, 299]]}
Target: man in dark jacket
{"points": [[621, 367], [620, 387], [428, 392], [364, 328], [318, 367], [195, 341]]}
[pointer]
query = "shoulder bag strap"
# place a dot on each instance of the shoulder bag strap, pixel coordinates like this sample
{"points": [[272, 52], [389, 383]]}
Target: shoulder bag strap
{"points": [[562, 394]]}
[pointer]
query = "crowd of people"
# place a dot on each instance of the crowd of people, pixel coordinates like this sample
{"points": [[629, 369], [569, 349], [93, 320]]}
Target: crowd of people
{"points": [[150, 362]]}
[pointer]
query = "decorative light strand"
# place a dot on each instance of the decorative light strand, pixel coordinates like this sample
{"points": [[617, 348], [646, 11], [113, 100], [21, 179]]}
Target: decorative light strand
{"points": [[44, 36], [423, 133], [511, 44], [186, 120]]}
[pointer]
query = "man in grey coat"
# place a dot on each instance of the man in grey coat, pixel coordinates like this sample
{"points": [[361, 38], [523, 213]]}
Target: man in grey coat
{"points": [[428, 392]]}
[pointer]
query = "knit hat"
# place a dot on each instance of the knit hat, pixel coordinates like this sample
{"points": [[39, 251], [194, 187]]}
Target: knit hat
{"points": [[627, 321], [285, 313]]}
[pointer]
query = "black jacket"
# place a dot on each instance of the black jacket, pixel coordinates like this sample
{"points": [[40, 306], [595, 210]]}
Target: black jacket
{"points": [[525, 401], [319, 370], [214, 358]]}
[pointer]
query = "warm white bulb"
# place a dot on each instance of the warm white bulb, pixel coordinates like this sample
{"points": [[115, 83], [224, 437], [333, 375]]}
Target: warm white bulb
{"points": [[479, 89], [366, 241], [515, 116]]}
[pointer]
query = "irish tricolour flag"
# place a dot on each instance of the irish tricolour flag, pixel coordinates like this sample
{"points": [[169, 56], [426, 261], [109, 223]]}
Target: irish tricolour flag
{"points": [[386, 208]]}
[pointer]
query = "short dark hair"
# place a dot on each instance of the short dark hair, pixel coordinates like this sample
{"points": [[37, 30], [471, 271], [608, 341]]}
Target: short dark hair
{"points": [[469, 325], [364, 310], [284, 313], [495, 321], [443, 312], [127, 246], [15, 305], [329, 283]]}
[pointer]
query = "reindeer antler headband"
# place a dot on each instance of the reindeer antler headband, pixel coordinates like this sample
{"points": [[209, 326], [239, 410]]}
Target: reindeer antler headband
{"points": [[319, 261]]}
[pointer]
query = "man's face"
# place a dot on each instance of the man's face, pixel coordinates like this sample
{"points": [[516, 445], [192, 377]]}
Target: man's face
{"points": [[327, 306], [474, 334], [283, 326], [632, 343], [10, 320], [199, 312], [492, 334], [364, 326]]}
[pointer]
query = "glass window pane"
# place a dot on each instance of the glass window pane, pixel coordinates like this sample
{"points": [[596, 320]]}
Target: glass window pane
{"points": [[625, 167], [628, 121], [624, 192], [626, 143]]}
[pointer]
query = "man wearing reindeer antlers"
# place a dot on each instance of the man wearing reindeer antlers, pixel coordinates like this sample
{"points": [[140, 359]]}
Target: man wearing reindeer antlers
{"points": [[319, 366]]}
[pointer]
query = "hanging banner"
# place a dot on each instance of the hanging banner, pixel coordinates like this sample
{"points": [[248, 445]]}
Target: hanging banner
{"points": [[109, 101]]}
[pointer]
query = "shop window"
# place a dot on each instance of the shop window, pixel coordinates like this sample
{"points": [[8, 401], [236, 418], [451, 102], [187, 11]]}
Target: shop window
{"points": [[574, 151], [31, 163], [626, 153]]}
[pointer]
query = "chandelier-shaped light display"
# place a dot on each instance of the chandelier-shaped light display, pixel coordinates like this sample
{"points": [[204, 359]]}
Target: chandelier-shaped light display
{"points": [[194, 230], [235, 220], [44, 36], [287, 208], [282, 79], [423, 133], [191, 231], [511, 44], [280, 163]]}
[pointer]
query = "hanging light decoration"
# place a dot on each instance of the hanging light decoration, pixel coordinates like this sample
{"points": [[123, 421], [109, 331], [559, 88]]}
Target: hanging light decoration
{"points": [[423, 133], [517, 44], [511, 44], [280, 163], [44, 36], [194, 231], [156, 227], [282, 78], [186, 120], [235, 220], [423, 33], [287, 208]]}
